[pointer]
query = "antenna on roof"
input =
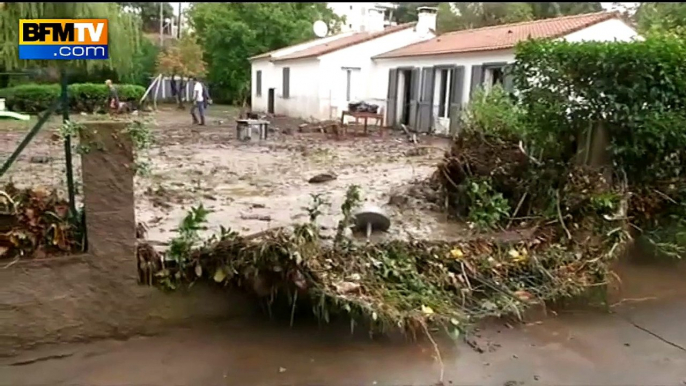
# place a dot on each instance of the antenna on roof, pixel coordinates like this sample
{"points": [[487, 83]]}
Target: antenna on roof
{"points": [[320, 28]]}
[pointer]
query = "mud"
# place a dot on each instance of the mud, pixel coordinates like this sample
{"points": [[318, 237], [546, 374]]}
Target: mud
{"points": [[581, 349], [252, 186]]}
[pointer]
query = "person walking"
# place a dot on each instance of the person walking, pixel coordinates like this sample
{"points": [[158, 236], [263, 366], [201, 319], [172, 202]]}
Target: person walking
{"points": [[113, 98], [198, 102]]}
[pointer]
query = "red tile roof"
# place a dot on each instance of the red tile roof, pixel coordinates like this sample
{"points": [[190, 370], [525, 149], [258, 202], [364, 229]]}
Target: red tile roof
{"points": [[270, 53], [501, 36], [342, 43]]}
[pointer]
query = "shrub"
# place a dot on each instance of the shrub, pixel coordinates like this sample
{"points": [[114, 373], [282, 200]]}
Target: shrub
{"points": [[493, 112], [637, 88], [33, 98], [637, 91]]}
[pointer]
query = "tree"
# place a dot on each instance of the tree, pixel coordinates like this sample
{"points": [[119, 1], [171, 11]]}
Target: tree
{"points": [[459, 16], [661, 18], [143, 64], [231, 33], [548, 10], [124, 33], [150, 14], [407, 12], [184, 58]]}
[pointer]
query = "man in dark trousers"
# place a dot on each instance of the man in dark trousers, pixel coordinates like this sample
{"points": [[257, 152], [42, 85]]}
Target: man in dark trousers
{"points": [[200, 99]]}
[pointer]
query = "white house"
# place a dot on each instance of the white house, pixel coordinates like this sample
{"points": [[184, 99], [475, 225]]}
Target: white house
{"points": [[318, 79], [359, 16], [426, 84]]}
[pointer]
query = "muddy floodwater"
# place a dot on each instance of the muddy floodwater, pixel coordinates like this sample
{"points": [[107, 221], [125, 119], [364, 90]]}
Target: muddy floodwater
{"points": [[252, 186]]}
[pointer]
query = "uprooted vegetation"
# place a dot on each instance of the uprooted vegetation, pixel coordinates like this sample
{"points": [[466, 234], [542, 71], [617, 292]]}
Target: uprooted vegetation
{"points": [[528, 164], [38, 223]]}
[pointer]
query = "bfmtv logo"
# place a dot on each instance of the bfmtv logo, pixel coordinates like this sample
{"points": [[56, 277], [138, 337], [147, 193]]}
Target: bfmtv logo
{"points": [[45, 39]]}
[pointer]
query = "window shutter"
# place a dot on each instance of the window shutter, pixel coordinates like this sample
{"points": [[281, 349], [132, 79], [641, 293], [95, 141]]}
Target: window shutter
{"points": [[286, 92], [477, 78]]}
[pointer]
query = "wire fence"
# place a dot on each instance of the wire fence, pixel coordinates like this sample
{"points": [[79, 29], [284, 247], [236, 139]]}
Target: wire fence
{"points": [[34, 154]]}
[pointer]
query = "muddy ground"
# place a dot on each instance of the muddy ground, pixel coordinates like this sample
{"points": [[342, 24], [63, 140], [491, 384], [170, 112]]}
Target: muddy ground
{"points": [[250, 186]]}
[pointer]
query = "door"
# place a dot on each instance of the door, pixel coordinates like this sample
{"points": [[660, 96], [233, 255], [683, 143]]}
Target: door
{"points": [[392, 97], [456, 92], [270, 101], [426, 99], [414, 96]]}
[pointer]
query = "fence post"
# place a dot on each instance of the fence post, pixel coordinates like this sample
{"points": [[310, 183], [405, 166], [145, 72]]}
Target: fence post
{"points": [[594, 148], [71, 189]]}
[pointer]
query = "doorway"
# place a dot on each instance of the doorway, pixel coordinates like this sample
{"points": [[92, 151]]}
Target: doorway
{"points": [[270, 101], [405, 82]]}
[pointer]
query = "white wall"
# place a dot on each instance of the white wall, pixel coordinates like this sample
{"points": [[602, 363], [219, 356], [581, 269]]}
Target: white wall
{"points": [[332, 90], [303, 100], [259, 103], [607, 31]]}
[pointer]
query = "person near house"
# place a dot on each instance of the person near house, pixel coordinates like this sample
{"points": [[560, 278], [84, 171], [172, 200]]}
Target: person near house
{"points": [[200, 101], [113, 98]]}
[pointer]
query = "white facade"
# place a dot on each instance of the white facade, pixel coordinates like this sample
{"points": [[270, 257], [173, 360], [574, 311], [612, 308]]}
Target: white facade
{"points": [[378, 88], [321, 87], [361, 17]]}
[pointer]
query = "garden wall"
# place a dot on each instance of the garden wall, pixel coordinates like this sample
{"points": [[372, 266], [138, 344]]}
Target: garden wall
{"points": [[96, 295]]}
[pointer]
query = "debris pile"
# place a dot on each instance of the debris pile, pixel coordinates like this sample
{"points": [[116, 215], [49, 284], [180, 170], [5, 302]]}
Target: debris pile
{"points": [[415, 284], [36, 223]]}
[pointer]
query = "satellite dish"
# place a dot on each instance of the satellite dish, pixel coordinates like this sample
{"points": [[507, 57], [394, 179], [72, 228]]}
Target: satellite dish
{"points": [[320, 28]]}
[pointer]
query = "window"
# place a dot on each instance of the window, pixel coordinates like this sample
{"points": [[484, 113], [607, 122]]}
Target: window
{"points": [[351, 75], [445, 79], [258, 83], [286, 92], [493, 76]]}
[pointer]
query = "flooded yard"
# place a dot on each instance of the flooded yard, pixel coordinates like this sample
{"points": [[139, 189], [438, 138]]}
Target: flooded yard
{"points": [[256, 185]]}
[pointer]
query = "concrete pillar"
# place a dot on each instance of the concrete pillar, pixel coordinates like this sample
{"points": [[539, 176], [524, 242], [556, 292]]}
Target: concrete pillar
{"points": [[107, 171]]}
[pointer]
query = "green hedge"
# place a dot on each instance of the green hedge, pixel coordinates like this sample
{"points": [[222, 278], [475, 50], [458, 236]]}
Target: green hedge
{"points": [[637, 88], [33, 98]]}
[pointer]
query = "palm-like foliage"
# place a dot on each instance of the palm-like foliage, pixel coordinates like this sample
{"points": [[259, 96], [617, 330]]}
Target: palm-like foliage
{"points": [[124, 31]]}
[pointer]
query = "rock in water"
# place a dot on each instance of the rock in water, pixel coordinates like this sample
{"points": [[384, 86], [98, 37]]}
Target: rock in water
{"points": [[324, 177]]}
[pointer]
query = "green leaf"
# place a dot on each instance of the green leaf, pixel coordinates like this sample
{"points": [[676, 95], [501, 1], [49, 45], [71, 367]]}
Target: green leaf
{"points": [[219, 275]]}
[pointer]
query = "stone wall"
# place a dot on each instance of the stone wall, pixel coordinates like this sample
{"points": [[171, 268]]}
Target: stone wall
{"points": [[96, 295]]}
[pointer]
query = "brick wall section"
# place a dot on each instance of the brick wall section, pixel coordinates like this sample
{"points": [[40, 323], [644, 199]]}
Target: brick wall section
{"points": [[108, 171], [96, 295]]}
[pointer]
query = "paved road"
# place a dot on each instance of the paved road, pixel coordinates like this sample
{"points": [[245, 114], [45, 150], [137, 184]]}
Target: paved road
{"points": [[640, 345], [642, 342]]}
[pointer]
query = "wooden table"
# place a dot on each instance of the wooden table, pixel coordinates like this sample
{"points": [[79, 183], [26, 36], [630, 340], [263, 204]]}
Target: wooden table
{"points": [[249, 124], [363, 115]]}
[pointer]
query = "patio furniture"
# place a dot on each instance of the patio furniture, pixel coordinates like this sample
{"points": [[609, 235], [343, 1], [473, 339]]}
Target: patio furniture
{"points": [[363, 115], [244, 129]]}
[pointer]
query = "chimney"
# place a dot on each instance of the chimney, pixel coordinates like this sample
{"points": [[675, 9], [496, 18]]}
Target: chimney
{"points": [[426, 18]]}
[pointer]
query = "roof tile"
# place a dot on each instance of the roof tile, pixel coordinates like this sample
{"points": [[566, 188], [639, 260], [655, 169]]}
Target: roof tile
{"points": [[499, 37]]}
